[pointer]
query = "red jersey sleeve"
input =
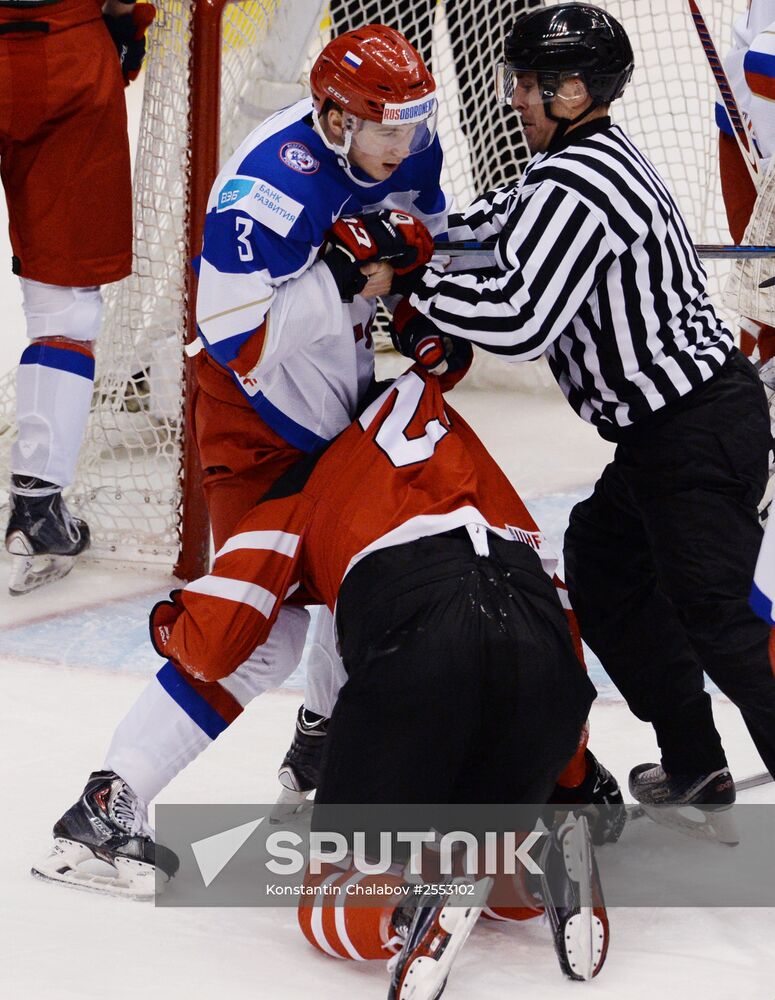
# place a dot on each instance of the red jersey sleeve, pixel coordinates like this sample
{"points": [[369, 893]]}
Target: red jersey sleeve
{"points": [[215, 622]]}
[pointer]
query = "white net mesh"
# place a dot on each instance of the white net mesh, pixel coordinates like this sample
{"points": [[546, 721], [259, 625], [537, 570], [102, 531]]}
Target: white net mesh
{"points": [[128, 477]]}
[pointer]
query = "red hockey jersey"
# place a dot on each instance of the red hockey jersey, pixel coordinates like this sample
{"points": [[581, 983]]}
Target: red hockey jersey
{"points": [[410, 466]]}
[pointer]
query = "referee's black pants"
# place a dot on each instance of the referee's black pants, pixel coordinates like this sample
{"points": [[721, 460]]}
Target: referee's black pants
{"points": [[659, 563], [463, 686]]}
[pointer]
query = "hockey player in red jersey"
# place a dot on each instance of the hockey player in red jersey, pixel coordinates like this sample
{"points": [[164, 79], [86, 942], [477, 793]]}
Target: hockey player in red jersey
{"points": [[444, 611], [64, 164], [403, 521]]}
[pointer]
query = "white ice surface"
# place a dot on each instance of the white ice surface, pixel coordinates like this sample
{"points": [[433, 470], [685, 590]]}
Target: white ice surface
{"points": [[59, 943]]}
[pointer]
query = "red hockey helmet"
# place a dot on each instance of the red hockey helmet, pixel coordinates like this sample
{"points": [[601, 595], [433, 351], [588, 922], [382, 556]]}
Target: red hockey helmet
{"points": [[374, 75]]}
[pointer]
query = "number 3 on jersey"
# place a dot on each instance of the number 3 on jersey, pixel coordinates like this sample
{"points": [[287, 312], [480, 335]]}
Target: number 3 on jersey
{"points": [[244, 229], [392, 437]]}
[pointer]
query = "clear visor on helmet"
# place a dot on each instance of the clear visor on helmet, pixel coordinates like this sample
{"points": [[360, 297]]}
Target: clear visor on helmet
{"points": [[505, 83], [404, 130], [533, 90]]}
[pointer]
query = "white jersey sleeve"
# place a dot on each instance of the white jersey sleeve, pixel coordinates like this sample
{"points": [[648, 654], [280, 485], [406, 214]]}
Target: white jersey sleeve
{"points": [[750, 68]]}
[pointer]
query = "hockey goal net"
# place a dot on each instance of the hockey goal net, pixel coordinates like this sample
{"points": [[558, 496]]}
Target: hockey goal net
{"points": [[214, 69]]}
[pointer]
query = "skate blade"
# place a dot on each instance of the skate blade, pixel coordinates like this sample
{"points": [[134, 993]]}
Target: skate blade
{"points": [[584, 944], [426, 976], [716, 825], [579, 933], [291, 806], [30, 572], [583, 933], [75, 865]]}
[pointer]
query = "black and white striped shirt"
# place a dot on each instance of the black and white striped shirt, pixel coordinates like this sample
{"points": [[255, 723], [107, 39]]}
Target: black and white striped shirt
{"points": [[595, 268]]}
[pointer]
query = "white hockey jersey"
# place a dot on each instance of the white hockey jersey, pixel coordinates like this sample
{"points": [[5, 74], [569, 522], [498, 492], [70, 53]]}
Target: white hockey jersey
{"points": [[267, 308], [750, 68]]}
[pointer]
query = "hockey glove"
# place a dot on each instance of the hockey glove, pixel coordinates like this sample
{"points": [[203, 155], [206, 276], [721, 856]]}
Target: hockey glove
{"points": [[128, 34], [406, 282], [356, 240], [162, 619], [415, 336], [599, 788]]}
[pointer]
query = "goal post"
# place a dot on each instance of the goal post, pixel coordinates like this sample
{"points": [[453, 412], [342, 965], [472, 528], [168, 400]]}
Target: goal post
{"points": [[215, 69]]}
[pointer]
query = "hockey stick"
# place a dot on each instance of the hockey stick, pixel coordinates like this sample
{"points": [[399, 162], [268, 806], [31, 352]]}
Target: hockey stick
{"points": [[741, 126], [753, 781], [708, 251]]}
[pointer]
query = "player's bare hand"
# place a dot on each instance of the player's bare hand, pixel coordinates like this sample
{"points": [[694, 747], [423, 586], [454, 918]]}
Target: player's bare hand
{"points": [[380, 275]]}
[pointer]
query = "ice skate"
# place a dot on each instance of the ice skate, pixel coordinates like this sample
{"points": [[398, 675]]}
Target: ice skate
{"points": [[699, 805], [573, 899], [300, 769], [599, 788], [42, 537], [437, 929], [104, 843]]}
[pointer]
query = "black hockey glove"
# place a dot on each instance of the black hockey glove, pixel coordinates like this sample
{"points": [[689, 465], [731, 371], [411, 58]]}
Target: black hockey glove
{"points": [[128, 34], [405, 283], [356, 240], [415, 336], [599, 788]]}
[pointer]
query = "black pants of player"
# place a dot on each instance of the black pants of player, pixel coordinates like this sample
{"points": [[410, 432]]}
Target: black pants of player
{"points": [[659, 563], [463, 685]]}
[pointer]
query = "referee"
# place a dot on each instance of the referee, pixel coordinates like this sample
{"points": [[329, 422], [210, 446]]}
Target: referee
{"points": [[596, 269]]}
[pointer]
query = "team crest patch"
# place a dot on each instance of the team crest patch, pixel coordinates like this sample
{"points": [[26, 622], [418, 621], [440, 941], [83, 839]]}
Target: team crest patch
{"points": [[296, 156]]}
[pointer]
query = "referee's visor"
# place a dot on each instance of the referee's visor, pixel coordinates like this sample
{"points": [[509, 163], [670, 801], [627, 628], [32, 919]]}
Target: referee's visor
{"points": [[505, 83], [545, 89]]}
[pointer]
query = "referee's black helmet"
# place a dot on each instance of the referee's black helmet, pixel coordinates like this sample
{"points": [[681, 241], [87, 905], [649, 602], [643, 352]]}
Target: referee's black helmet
{"points": [[572, 39]]}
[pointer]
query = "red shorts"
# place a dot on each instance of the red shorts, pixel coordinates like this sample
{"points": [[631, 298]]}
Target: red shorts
{"points": [[64, 150], [240, 456]]}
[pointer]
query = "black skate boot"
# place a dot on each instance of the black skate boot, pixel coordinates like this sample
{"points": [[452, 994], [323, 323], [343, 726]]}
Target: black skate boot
{"points": [[599, 788], [712, 793], [108, 823], [42, 535], [573, 898], [300, 769], [432, 933]]}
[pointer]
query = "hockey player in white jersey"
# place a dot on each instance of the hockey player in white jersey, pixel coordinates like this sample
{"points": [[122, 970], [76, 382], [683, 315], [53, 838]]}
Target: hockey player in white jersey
{"points": [[750, 69], [286, 331], [287, 354]]}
